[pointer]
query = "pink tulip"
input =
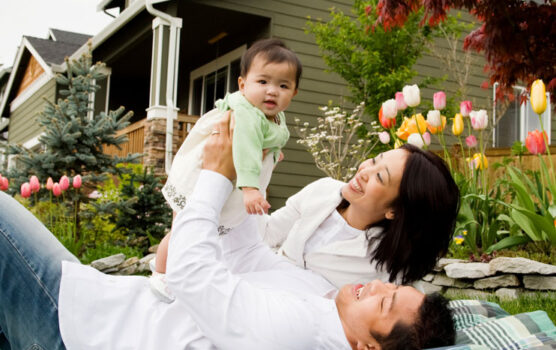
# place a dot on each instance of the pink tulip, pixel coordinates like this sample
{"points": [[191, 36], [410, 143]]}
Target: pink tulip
{"points": [[535, 143], [465, 108], [49, 184], [64, 183], [25, 190], [471, 141], [427, 138], [439, 100], [76, 181], [384, 137], [400, 102], [4, 185], [35, 184], [56, 190]]}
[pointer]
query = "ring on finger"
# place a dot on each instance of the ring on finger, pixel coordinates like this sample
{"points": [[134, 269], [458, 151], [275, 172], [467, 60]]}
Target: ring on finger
{"points": [[215, 132]]}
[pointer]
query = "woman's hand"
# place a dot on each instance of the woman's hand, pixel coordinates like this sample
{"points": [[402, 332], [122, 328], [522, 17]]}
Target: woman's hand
{"points": [[217, 154]]}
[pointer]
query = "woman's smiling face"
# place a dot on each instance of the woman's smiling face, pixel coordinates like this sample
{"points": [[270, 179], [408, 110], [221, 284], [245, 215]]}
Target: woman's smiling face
{"points": [[374, 187]]}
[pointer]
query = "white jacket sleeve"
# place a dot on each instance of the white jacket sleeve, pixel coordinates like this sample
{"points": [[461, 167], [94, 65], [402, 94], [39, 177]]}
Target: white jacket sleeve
{"points": [[278, 225], [231, 312]]}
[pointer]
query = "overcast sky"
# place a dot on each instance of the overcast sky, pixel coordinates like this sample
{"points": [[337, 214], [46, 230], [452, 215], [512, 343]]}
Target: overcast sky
{"points": [[35, 17]]}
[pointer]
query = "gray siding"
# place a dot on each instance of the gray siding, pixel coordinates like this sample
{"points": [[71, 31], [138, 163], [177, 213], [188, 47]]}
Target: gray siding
{"points": [[23, 121], [317, 87]]}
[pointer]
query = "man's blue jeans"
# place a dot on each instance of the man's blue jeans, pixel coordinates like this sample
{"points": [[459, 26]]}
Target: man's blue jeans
{"points": [[30, 275]]}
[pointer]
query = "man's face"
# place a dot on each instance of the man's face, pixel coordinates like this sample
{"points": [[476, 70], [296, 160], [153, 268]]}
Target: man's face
{"points": [[375, 307]]}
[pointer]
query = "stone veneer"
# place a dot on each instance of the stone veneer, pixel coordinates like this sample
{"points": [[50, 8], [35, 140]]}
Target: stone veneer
{"points": [[505, 277], [155, 144]]}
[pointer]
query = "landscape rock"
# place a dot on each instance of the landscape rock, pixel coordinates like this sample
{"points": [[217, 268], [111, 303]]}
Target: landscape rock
{"points": [[468, 270], [508, 293], [130, 270], [428, 277], [443, 280], [429, 288], [153, 249], [521, 265], [496, 282], [446, 261], [466, 293], [540, 282], [108, 262], [129, 262]]}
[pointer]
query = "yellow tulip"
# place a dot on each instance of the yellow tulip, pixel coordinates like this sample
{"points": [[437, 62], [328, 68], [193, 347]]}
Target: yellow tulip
{"points": [[416, 123], [538, 96], [457, 127], [402, 132], [480, 161]]}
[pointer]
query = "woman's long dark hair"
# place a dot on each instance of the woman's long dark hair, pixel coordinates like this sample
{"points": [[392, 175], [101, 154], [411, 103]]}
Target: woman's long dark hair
{"points": [[424, 218]]}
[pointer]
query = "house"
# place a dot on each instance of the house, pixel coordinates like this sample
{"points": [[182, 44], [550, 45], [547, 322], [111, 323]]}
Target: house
{"points": [[169, 60]]}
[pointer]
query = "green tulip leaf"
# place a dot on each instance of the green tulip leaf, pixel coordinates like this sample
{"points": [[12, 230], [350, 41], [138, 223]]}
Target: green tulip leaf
{"points": [[525, 224], [541, 223], [523, 196], [508, 242]]}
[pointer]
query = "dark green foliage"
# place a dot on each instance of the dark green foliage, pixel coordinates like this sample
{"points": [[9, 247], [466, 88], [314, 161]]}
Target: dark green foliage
{"points": [[374, 63], [141, 213], [72, 142]]}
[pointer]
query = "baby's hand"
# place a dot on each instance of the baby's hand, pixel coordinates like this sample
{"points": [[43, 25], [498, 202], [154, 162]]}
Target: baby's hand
{"points": [[254, 201]]}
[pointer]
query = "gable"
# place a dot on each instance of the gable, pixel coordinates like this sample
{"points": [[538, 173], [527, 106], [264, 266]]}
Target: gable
{"points": [[32, 72]]}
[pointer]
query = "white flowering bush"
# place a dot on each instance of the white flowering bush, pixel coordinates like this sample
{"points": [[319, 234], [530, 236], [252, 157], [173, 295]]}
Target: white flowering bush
{"points": [[334, 144]]}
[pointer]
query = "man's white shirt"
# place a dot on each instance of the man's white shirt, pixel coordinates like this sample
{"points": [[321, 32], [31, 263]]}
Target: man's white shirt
{"points": [[232, 292]]}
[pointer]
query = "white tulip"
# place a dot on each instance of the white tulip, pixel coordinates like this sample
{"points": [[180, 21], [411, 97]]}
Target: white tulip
{"points": [[415, 139], [434, 119], [389, 109], [411, 95], [479, 119]]}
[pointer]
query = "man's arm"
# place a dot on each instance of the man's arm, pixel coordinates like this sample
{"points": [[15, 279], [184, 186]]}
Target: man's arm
{"points": [[231, 312]]}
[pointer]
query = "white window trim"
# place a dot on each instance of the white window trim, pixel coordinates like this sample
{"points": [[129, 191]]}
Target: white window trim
{"points": [[210, 67], [522, 111], [31, 143]]}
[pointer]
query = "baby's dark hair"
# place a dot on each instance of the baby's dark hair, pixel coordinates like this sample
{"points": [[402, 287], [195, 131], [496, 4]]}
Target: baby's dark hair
{"points": [[273, 51]]}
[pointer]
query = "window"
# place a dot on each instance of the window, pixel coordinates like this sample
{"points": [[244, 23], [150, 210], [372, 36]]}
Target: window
{"points": [[212, 81], [518, 120]]}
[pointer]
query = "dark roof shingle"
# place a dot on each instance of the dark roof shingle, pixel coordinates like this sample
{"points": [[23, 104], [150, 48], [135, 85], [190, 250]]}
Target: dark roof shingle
{"points": [[52, 52], [69, 37]]}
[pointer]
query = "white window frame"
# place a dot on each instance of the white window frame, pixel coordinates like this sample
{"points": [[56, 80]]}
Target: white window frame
{"points": [[211, 67], [526, 115]]}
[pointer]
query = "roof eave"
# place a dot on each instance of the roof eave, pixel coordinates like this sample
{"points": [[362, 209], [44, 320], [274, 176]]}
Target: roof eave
{"points": [[127, 15]]}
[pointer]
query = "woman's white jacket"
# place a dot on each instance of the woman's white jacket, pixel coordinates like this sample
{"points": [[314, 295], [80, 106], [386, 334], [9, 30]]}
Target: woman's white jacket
{"points": [[289, 228]]}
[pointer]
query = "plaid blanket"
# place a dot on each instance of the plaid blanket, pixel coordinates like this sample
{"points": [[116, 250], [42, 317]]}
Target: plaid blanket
{"points": [[483, 325]]}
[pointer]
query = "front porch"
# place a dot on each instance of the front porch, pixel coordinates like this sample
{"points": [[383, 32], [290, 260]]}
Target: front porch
{"points": [[148, 136]]}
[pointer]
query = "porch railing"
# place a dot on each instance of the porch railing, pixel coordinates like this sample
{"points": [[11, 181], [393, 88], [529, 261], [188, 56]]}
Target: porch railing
{"points": [[136, 135]]}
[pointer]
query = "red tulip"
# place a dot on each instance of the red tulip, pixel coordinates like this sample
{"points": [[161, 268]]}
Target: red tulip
{"points": [[535, 143], [4, 185], [49, 184], [76, 181], [35, 184], [385, 122], [64, 183], [25, 190], [56, 190]]}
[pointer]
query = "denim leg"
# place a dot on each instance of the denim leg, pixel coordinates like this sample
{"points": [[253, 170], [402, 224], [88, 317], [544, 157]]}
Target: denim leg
{"points": [[30, 275]]}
